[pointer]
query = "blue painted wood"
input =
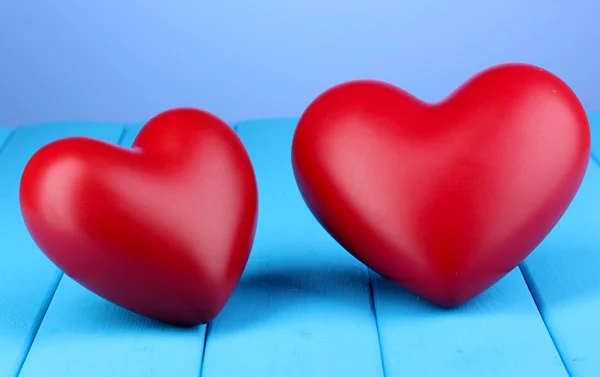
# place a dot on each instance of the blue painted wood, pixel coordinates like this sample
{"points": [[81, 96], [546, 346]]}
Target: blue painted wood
{"points": [[500, 333], [564, 275], [303, 307], [4, 134], [85, 335], [27, 278]]}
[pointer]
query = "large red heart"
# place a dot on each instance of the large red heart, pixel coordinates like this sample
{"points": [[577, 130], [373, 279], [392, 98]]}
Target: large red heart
{"points": [[446, 198], [163, 229]]}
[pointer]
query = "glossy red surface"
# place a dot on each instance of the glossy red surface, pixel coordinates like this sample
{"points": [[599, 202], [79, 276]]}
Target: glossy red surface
{"points": [[163, 229], [445, 198]]}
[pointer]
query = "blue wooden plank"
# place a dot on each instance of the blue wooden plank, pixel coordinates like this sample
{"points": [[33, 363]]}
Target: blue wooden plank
{"points": [[85, 335], [594, 120], [500, 333], [303, 306], [4, 134], [564, 275], [27, 278]]}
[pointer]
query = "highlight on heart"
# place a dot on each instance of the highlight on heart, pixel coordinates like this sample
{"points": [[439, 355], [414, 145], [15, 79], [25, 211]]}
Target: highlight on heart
{"points": [[443, 198], [163, 229]]}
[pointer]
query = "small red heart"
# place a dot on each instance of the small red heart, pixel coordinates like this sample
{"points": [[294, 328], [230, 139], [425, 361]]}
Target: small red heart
{"points": [[163, 229], [446, 198]]}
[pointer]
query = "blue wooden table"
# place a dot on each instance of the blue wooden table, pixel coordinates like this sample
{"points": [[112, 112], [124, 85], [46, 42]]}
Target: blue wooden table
{"points": [[304, 306]]}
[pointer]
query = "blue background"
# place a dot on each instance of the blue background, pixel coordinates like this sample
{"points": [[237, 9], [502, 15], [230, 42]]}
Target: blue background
{"points": [[126, 60]]}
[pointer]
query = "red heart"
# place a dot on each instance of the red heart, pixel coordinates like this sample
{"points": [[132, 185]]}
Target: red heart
{"points": [[163, 229], [446, 198]]}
